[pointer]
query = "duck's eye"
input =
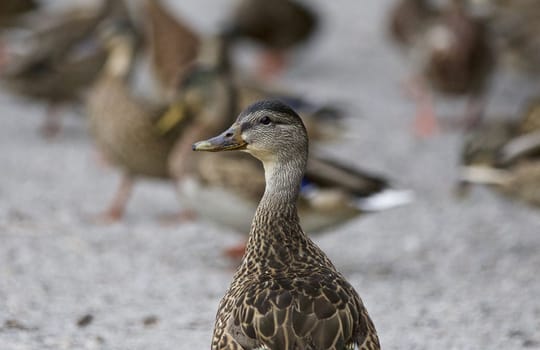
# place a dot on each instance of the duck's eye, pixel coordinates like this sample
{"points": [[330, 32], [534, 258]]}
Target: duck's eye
{"points": [[266, 120]]}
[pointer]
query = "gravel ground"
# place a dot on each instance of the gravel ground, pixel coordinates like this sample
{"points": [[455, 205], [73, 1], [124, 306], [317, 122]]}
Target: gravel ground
{"points": [[437, 274]]}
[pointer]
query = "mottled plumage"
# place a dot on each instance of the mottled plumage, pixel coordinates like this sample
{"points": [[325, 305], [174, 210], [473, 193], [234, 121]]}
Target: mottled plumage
{"points": [[286, 293]]}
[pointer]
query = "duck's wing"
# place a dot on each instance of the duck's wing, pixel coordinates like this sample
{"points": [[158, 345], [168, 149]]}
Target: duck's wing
{"points": [[329, 183], [330, 173]]}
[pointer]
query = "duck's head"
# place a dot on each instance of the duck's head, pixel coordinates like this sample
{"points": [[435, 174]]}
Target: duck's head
{"points": [[269, 130]]}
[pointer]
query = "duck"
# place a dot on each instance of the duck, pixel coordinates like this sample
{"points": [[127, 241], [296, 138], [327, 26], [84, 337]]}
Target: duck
{"points": [[505, 154], [63, 62], [134, 134], [452, 51], [286, 293], [277, 27]]}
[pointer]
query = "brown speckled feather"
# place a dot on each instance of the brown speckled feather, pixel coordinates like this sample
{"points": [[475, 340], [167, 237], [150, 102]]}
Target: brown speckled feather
{"points": [[285, 300]]}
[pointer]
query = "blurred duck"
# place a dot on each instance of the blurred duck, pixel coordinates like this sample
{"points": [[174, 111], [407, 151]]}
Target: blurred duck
{"points": [[137, 136], [505, 154], [278, 26], [125, 126], [63, 61], [451, 50]]}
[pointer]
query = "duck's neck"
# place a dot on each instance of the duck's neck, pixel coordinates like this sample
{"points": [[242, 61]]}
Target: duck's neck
{"points": [[119, 62], [276, 235], [283, 178]]}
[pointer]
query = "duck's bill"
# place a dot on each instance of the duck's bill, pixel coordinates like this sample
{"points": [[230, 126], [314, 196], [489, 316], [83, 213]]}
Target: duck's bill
{"points": [[227, 141]]}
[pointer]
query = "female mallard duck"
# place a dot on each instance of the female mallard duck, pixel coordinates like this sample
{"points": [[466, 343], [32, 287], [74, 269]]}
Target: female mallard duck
{"points": [[451, 49], [64, 61], [276, 25], [140, 138], [286, 294]]}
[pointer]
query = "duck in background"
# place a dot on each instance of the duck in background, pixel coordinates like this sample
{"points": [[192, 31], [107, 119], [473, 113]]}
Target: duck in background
{"points": [[277, 26], [451, 50], [134, 134], [64, 59], [505, 154]]}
